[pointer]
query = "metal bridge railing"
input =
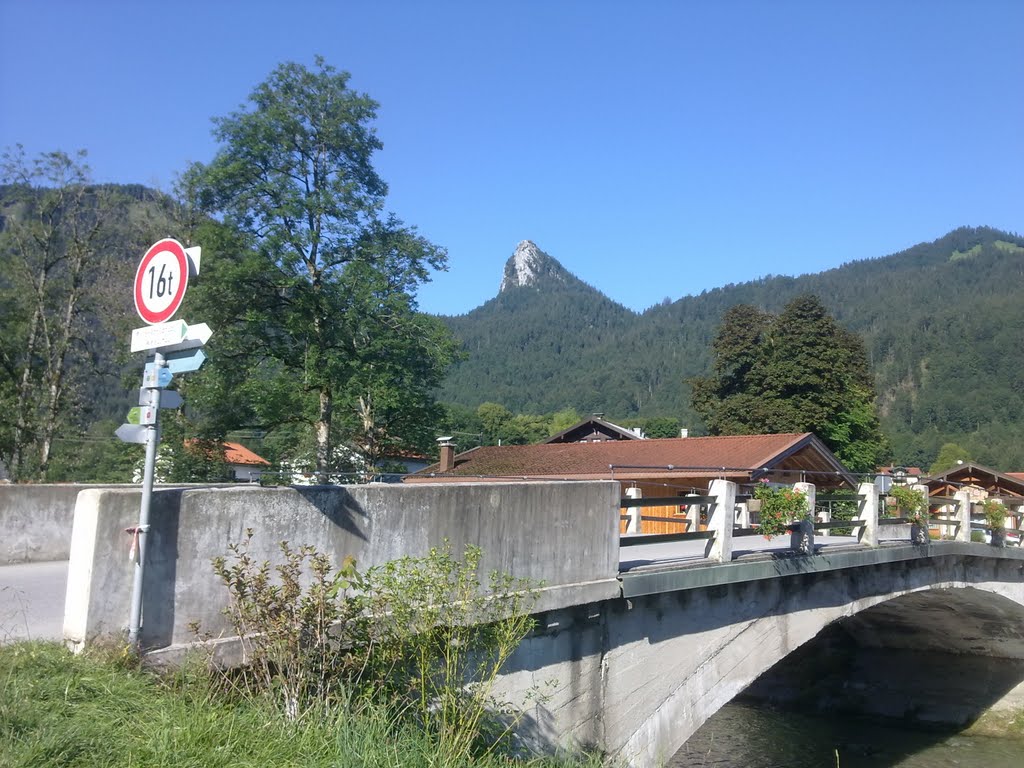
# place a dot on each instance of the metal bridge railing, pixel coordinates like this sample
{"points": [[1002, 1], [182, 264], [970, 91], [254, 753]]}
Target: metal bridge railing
{"points": [[701, 518]]}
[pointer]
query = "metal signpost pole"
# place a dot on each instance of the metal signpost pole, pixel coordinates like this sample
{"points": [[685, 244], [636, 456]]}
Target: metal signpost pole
{"points": [[142, 529], [160, 283]]}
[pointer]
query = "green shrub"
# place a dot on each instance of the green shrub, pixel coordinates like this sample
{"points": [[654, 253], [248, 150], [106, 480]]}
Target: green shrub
{"points": [[911, 503], [424, 637], [441, 637], [294, 637]]}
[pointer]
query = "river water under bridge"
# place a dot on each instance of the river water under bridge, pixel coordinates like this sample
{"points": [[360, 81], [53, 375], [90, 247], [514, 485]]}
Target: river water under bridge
{"points": [[749, 735]]}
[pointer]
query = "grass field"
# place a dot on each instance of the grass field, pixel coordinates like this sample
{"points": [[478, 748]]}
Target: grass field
{"points": [[57, 709]]}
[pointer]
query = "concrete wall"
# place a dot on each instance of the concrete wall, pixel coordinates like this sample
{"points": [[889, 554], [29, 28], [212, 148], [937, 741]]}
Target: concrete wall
{"points": [[560, 533], [35, 522]]}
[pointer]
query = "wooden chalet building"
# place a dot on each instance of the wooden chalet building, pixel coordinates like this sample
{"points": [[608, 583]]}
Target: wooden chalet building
{"points": [[982, 483], [659, 468], [593, 430]]}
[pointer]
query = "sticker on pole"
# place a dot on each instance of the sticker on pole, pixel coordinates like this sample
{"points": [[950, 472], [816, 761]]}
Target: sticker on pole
{"points": [[161, 281]]}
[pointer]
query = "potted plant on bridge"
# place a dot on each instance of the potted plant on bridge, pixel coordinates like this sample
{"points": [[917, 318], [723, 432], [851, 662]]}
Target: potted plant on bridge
{"points": [[785, 509], [995, 518], [913, 505]]}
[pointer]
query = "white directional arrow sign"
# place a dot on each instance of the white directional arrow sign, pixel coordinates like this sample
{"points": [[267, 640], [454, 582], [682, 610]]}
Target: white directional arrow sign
{"points": [[160, 335], [170, 337], [131, 433], [196, 336]]}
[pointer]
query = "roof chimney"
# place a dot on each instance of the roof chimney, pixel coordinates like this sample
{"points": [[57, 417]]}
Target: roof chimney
{"points": [[447, 454]]}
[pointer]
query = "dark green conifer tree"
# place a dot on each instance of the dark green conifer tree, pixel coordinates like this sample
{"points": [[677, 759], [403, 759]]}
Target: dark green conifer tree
{"points": [[797, 372]]}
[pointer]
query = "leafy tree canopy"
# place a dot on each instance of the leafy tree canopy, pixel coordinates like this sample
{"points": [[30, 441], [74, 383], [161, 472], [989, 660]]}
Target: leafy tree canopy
{"points": [[950, 454], [55, 265], [313, 292]]}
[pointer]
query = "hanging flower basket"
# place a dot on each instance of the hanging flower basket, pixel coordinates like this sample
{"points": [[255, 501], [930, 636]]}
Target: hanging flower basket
{"points": [[995, 518], [782, 507], [913, 504]]}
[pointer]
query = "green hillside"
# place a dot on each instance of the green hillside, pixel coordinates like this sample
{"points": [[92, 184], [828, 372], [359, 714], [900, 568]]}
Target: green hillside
{"points": [[518, 342], [941, 322], [126, 218]]}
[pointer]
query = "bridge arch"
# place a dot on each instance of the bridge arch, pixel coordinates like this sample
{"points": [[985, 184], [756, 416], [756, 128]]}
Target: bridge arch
{"points": [[947, 657], [673, 659]]}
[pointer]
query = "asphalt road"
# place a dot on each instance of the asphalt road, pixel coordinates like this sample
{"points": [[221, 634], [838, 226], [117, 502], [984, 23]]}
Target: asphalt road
{"points": [[32, 601], [684, 553]]}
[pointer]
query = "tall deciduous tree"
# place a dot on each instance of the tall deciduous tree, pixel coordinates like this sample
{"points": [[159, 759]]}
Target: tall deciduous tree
{"points": [[562, 420], [797, 372], [51, 275], [322, 297], [495, 420]]}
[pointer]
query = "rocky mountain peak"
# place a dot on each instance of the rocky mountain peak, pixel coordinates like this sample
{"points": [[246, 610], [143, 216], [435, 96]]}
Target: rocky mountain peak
{"points": [[530, 266]]}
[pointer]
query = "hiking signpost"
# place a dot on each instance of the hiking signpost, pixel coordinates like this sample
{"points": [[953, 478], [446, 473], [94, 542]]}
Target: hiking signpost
{"points": [[172, 347]]}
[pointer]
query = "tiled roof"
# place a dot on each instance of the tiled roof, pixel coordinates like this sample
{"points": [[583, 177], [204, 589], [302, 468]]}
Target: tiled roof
{"points": [[701, 456], [912, 471], [235, 453]]}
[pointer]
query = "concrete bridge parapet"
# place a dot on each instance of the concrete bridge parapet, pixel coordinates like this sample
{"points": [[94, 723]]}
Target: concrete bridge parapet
{"points": [[558, 534]]}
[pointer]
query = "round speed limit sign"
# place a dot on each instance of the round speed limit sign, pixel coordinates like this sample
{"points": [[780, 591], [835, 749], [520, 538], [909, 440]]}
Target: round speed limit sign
{"points": [[161, 281]]}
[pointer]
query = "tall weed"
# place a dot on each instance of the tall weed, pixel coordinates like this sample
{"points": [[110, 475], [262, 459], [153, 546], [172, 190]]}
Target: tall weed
{"points": [[423, 637]]}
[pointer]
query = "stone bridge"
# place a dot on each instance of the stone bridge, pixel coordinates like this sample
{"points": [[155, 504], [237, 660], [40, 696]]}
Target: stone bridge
{"points": [[635, 646], [933, 633]]}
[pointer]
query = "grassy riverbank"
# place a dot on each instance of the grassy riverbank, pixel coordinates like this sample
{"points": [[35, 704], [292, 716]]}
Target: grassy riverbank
{"points": [[1000, 723], [96, 711]]}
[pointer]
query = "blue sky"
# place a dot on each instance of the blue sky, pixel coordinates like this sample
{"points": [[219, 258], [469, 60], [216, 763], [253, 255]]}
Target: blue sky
{"points": [[656, 149]]}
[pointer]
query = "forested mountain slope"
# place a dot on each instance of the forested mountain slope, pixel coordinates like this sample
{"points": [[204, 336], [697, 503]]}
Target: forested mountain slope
{"points": [[545, 329], [942, 322], [130, 217]]}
